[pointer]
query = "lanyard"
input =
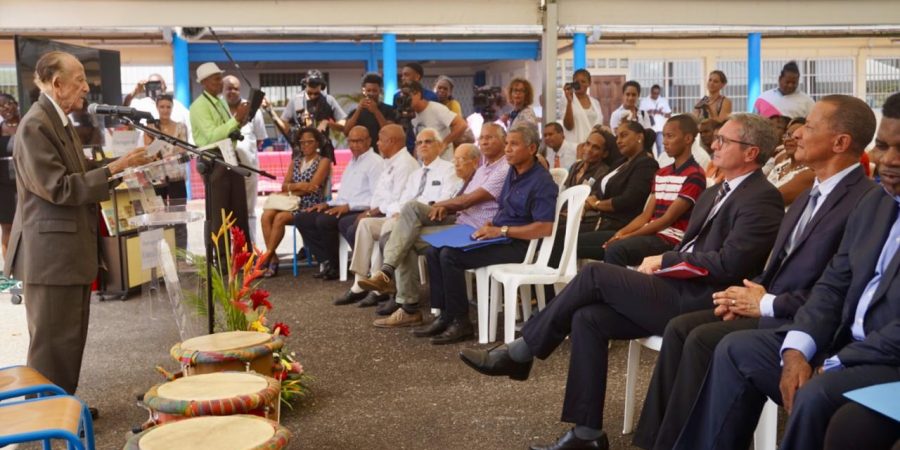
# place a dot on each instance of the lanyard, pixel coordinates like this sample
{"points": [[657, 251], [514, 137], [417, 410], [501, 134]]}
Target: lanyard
{"points": [[215, 104]]}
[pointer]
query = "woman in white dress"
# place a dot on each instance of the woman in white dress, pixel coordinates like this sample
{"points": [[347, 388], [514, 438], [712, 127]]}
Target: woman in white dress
{"points": [[629, 112], [582, 110]]}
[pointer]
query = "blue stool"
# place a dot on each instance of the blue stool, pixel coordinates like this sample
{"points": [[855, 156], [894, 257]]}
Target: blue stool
{"points": [[42, 419]]}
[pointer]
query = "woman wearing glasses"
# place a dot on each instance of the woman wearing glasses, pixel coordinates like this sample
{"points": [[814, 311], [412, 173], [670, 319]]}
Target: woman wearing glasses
{"points": [[521, 96], [309, 171], [790, 176]]}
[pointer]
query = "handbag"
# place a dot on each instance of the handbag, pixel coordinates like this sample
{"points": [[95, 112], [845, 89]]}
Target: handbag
{"points": [[282, 202]]}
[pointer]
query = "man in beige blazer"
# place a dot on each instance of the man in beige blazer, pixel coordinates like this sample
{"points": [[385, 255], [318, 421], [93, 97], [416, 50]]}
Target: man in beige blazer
{"points": [[54, 245]]}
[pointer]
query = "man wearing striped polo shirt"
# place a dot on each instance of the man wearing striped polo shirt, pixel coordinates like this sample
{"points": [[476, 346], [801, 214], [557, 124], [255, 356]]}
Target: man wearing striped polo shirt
{"points": [[660, 227]]}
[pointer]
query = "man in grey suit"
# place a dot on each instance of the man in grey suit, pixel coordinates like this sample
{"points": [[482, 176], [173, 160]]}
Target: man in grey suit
{"points": [[53, 248]]}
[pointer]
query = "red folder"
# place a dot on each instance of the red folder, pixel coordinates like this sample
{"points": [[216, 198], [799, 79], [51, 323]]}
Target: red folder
{"points": [[682, 271]]}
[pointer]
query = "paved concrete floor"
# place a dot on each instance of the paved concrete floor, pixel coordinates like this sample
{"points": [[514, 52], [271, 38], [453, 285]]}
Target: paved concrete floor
{"points": [[374, 389]]}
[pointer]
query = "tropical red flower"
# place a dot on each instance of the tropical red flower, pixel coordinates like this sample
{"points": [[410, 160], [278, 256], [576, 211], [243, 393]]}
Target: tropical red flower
{"points": [[280, 375], [282, 329], [260, 297], [241, 306], [240, 259], [238, 240]]}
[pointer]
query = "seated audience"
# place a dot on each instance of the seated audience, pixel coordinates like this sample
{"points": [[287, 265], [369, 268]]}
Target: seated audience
{"points": [[624, 192], [557, 151], [521, 96], [792, 176], [473, 206], [581, 111], [371, 112], [661, 225], [730, 234], [708, 130], [320, 224], [715, 105], [856, 426], [846, 332], [629, 111], [803, 248], [309, 171]]}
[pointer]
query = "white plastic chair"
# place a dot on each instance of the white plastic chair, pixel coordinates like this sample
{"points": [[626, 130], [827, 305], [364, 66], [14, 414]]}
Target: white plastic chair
{"points": [[343, 256], [559, 175], [766, 434], [517, 277]]}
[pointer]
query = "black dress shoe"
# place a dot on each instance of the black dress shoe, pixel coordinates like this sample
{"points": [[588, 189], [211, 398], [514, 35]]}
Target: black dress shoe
{"points": [[372, 299], [387, 308], [436, 327], [457, 331], [329, 272], [570, 441], [496, 362], [349, 297], [326, 267]]}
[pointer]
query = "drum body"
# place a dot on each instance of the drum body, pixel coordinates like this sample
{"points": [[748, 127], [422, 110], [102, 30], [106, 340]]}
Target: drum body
{"points": [[228, 351], [214, 394], [213, 432]]}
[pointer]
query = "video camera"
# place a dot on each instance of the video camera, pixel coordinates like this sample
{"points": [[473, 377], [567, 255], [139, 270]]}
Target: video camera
{"points": [[486, 101]]}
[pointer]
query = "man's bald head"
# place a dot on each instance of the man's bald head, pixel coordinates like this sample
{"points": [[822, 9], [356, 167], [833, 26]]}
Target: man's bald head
{"points": [[359, 140], [231, 90], [391, 139]]}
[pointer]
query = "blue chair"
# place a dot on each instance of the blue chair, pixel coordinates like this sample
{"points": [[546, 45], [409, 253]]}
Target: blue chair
{"points": [[309, 262], [46, 418], [18, 381]]}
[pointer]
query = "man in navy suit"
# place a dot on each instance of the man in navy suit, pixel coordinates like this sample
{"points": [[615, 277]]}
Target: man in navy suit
{"points": [[809, 236], [731, 231], [849, 328]]}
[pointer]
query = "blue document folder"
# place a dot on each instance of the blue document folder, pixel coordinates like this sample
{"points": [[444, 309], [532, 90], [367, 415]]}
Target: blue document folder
{"points": [[883, 398], [460, 236]]}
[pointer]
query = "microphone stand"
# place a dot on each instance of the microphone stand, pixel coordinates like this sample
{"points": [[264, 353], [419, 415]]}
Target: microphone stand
{"points": [[206, 161]]}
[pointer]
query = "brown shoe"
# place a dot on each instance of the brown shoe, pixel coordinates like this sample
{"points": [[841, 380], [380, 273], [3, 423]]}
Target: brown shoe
{"points": [[399, 319], [380, 282]]}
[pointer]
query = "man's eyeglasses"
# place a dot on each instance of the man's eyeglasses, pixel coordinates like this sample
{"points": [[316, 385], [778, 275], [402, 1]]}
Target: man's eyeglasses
{"points": [[721, 140], [425, 141]]}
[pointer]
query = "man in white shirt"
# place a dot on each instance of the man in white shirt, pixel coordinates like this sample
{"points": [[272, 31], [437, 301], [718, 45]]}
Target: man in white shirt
{"points": [[657, 107], [321, 224], [143, 98], [436, 180], [254, 133], [429, 114], [558, 151]]}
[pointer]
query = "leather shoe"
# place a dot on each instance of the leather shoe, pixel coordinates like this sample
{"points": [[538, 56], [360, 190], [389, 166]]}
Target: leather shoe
{"points": [[372, 299], [460, 329], [436, 327], [570, 441], [326, 267], [496, 362], [387, 308], [379, 281], [349, 297]]}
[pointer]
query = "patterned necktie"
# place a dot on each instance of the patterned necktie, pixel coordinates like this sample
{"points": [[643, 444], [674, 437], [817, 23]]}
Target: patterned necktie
{"points": [[556, 161], [804, 219], [723, 191], [422, 182]]}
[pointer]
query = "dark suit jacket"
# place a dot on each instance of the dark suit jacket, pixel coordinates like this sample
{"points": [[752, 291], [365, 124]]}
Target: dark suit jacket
{"points": [[830, 310], [791, 277], [628, 189], [735, 243], [54, 234]]}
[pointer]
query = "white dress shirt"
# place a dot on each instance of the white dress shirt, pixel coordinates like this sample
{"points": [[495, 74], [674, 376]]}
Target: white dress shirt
{"points": [[358, 182], [388, 194], [440, 180], [568, 153]]}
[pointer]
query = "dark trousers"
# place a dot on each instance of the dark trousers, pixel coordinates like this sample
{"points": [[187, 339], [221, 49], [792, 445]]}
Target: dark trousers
{"points": [[855, 426], [174, 193], [226, 192], [684, 359], [590, 244], [746, 369], [320, 233], [602, 302], [57, 325], [632, 251], [447, 268]]}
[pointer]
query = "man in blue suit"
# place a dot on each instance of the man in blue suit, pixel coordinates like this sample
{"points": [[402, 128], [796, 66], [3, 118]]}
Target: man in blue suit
{"points": [[849, 329], [809, 236]]}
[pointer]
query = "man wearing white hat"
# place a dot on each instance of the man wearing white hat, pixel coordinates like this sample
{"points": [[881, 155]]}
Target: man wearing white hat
{"points": [[211, 121]]}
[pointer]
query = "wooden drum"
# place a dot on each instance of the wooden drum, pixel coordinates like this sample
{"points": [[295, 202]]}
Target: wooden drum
{"points": [[228, 351], [214, 394], [213, 433]]}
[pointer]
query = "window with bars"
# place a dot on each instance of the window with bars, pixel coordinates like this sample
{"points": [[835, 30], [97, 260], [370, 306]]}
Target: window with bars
{"points": [[681, 80], [8, 83], [280, 88], [132, 75], [818, 77], [882, 80]]}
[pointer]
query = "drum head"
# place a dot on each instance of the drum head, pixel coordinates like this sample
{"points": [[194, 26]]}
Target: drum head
{"points": [[228, 340], [213, 386], [220, 433]]}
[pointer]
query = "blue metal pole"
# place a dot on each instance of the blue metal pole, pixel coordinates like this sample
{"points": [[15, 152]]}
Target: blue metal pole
{"points": [[754, 66], [372, 61], [579, 50], [389, 61], [182, 72]]}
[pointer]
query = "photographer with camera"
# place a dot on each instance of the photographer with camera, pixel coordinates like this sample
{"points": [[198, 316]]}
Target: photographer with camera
{"points": [[408, 73], [371, 112], [715, 105], [584, 113], [429, 114], [312, 108], [145, 94]]}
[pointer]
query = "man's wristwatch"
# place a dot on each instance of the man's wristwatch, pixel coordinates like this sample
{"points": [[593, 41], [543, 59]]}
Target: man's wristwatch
{"points": [[504, 231]]}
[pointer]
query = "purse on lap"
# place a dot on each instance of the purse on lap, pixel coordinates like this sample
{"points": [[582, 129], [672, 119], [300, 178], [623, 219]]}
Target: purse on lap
{"points": [[282, 202]]}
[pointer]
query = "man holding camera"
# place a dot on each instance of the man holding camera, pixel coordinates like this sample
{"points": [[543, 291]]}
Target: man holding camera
{"points": [[371, 113], [213, 121], [429, 114], [312, 108], [144, 95]]}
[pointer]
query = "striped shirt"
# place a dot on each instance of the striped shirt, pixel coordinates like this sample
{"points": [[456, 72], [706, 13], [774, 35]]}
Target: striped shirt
{"points": [[687, 182], [491, 178]]}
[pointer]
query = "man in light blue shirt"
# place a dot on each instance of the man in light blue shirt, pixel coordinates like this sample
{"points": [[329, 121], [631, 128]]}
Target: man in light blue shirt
{"points": [[849, 329]]}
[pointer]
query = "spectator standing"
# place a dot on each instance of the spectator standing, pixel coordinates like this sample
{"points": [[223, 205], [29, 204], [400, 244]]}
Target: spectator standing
{"points": [[431, 114], [144, 95], [312, 107], [174, 191], [714, 105], [443, 88], [521, 95], [786, 99], [659, 110], [371, 112], [580, 115], [629, 111], [9, 112]]}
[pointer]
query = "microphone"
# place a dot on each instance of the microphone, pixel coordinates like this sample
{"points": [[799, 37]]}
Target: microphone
{"points": [[123, 111]]}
